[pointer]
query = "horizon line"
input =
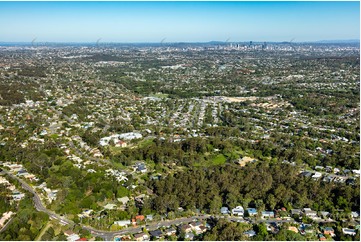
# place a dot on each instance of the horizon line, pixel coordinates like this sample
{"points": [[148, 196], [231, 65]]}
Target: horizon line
{"points": [[175, 42]]}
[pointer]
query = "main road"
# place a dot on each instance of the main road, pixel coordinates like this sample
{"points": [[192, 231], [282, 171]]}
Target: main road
{"points": [[109, 235], [37, 201]]}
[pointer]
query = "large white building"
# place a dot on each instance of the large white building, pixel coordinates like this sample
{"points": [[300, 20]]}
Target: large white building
{"points": [[118, 137]]}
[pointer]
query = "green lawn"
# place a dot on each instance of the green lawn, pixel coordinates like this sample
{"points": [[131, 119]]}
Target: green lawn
{"points": [[115, 150], [145, 143], [219, 160], [216, 161]]}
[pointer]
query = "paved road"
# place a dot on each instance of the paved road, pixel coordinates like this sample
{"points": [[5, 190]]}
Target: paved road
{"points": [[149, 227], [109, 235], [155, 225], [37, 201]]}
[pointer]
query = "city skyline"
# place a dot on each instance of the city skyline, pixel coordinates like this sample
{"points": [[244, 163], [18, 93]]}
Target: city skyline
{"points": [[129, 22]]}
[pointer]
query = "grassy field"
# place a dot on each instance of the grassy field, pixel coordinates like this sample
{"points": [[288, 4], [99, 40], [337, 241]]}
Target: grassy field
{"points": [[219, 160], [216, 161], [145, 143]]}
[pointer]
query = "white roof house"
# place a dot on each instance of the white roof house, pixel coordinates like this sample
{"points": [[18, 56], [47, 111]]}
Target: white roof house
{"points": [[238, 211], [123, 223], [317, 175], [349, 231], [110, 206], [73, 237], [123, 200]]}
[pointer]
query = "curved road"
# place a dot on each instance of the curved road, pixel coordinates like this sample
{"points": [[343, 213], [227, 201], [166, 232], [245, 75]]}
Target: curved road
{"points": [[109, 235], [37, 202]]}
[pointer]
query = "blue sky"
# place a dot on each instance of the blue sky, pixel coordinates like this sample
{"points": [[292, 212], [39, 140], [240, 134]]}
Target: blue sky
{"points": [[178, 21]]}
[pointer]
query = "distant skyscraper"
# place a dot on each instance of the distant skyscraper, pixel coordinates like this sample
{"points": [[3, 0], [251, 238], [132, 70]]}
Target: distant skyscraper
{"points": [[264, 46]]}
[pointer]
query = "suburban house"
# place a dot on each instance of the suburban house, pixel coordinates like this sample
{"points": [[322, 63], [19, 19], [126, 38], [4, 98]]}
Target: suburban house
{"points": [[123, 200], [250, 233], [156, 233], [4, 181], [252, 211], [296, 211], [186, 228], [22, 172], [319, 168], [81, 239], [348, 231], [73, 237], [122, 238], [110, 206], [329, 231], [203, 228], [31, 177], [123, 223], [224, 210], [239, 211], [139, 217], [317, 175], [198, 227], [306, 228], [170, 231], [141, 167], [195, 225], [322, 237], [121, 144], [5, 217], [141, 237], [293, 229], [356, 173], [189, 236], [243, 161], [272, 227], [309, 213], [86, 213], [17, 195], [324, 214], [355, 214], [68, 232], [268, 214]]}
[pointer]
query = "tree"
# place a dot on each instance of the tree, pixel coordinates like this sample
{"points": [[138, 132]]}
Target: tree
{"points": [[271, 201], [288, 235], [231, 200], [42, 161], [48, 235], [122, 192], [215, 205], [261, 230]]}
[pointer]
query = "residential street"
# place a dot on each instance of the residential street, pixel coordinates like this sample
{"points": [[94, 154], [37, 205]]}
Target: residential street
{"points": [[109, 235]]}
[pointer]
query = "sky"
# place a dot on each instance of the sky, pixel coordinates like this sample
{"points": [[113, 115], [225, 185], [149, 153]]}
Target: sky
{"points": [[126, 22]]}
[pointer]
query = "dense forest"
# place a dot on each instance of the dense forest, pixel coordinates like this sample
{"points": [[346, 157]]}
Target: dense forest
{"points": [[260, 185]]}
